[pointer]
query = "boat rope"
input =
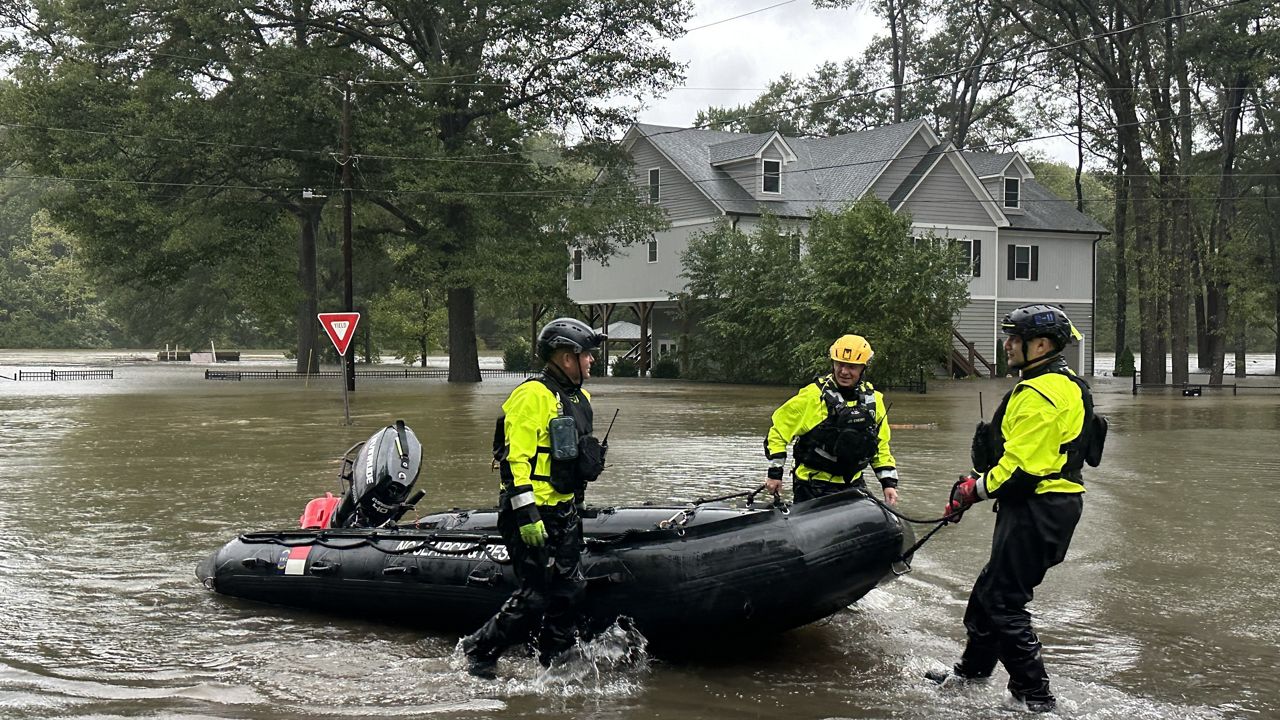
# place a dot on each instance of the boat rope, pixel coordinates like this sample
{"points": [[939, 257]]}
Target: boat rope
{"points": [[941, 522], [433, 543]]}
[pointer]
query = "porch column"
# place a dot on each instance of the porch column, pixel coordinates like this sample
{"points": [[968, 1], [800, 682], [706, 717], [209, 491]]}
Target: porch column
{"points": [[643, 311]]}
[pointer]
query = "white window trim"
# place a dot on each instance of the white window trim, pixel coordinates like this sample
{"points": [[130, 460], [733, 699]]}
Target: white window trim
{"points": [[764, 172], [655, 188], [575, 266], [969, 263], [651, 250], [1015, 263], [1004, 193]]}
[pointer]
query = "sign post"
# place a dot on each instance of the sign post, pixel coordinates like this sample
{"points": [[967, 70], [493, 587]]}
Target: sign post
{"points": [[341, 327]]}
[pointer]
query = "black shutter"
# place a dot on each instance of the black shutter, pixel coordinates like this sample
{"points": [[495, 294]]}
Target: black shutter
{"points": [[1013, 258], [1035, 262], [977, 257]]}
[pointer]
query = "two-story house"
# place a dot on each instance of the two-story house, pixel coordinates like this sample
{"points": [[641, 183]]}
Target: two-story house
{"points": [[1024, 243]]}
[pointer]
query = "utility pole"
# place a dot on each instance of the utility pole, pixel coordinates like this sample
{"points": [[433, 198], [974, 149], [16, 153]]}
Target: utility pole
{"points": [[348, 295]]}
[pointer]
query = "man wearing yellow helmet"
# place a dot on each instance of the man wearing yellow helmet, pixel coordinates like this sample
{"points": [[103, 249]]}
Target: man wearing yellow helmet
{"points": [[839, 428]]}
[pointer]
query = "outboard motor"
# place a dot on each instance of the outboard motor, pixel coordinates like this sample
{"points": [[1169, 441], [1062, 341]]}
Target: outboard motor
{"points": [[379, 478]]}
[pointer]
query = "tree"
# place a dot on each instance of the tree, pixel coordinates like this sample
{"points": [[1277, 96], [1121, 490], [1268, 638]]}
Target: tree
{"points": [[778, 297], [47, 298], [219, 108]]}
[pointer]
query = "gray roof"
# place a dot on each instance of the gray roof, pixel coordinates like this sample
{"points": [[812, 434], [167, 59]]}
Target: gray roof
{"points": [[1043, 210], [738, 149], [828, 172], [987, 164]]}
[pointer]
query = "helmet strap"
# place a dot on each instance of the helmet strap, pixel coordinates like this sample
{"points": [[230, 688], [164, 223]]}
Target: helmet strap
{"points": [[577, 358]]}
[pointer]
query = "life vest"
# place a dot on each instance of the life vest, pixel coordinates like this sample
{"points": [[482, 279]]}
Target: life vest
{"points": [[571, 471], [847, 440], [1085, 448]]}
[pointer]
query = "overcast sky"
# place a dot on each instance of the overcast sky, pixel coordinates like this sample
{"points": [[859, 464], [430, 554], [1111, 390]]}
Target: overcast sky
{"points": [[731, 62]]}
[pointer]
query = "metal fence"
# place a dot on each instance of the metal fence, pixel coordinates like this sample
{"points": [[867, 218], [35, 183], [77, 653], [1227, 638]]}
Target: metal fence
{"points": [[62, 375], [402, 373], [1194, 388]]}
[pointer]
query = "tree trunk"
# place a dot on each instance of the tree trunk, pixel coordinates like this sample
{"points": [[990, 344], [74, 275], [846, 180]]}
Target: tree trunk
{"points": [[308, 359], [1121, 271], [1233, 97], [1202, 314], [464, 363], [1242, 338]]}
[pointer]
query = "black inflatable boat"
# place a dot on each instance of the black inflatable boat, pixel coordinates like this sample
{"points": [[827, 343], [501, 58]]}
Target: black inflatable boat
{"points": [[686, 572]]}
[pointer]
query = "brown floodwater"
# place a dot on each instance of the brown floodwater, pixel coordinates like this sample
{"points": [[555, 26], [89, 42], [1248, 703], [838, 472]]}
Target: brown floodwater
{"points": [[1168, 605]]}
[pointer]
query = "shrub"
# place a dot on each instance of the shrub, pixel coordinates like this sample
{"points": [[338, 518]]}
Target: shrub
{"points": [[516, 356], [625, 367], [1124, 364], [666, 367]]}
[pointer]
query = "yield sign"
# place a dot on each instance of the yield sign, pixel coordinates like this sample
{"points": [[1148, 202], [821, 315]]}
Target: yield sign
{"points": [[341, 327]]}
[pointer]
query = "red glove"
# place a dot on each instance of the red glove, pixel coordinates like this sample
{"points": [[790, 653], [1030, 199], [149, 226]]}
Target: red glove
{"points": [[963, 495]]}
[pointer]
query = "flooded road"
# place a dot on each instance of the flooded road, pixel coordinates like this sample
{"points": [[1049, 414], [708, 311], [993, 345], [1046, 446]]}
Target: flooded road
{"points": [[1168, 605]]}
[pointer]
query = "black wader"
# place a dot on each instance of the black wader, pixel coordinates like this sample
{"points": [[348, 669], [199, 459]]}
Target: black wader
{"points": [[1031, 535], [551, 587]]}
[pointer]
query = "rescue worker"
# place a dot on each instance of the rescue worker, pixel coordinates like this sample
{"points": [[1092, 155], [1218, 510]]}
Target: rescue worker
{"points": [[839, 420], [546, 455], [1028, 459]]}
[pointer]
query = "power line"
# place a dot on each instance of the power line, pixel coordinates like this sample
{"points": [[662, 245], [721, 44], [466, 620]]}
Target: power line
{"points": [[961, 71], [735, 17]]}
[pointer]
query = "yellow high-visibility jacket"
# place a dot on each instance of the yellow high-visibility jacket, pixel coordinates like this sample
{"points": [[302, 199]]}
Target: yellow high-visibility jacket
{"points": [[805, 411], [527, 413], [1043, 414]]}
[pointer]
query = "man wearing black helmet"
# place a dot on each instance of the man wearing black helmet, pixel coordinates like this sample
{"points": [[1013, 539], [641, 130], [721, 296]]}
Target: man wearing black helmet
{"points": [[1029, 459], [546, 454]]}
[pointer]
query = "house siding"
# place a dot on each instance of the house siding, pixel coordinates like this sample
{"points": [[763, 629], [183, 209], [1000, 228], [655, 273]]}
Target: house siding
{"points": [[979, 324], [983, 286], [679, 197], [1065, 267], [745, 173], [898, 170], [630, 276], [944, 196]]}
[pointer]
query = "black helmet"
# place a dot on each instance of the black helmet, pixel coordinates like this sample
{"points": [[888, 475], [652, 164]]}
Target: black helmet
{"points": [[567, 333], [1032, 321]]}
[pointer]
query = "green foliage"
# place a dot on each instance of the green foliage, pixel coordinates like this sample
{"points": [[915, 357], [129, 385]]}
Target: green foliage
{"points": [[190, 161], [625, 367], [47, 297], [517, 356], [407, 322], [769, 311], [666, 368], [1002, 361], [1124, 364]]}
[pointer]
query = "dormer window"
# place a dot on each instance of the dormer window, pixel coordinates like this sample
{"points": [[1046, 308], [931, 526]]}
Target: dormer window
{"points": [[1012, 192], [771, 177]]}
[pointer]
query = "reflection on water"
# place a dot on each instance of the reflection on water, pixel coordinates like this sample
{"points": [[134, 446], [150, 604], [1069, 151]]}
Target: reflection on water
{"points": [[1166, 607]]}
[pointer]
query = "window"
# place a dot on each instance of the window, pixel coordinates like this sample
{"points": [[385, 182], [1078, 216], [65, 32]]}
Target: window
{"points": [[1024, 262], [577, 264], [653, 249], [772, 177], [971, 252], [655, 185], [1012, 192]]}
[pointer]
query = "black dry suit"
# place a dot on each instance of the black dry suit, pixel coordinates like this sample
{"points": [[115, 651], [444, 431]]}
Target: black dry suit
{"points": [[546, 462], [1039, 489]]}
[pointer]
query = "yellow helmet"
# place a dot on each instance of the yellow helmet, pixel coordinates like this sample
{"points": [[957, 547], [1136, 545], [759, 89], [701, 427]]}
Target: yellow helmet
{"points": [[853, 349]]}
